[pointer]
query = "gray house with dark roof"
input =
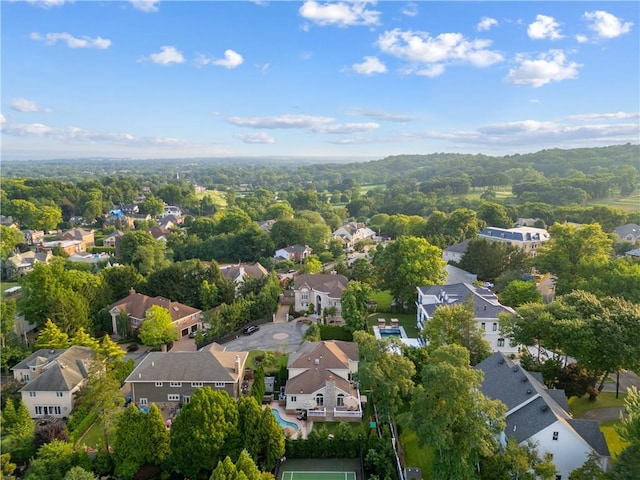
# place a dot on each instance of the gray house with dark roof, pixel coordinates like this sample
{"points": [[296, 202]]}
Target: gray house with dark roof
{"points": [[629, 232], [168, 379], [541, 415], [486, 309]]}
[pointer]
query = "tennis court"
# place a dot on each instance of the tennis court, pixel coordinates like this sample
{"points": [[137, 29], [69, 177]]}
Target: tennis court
{"points": [[318, 476], [320, 469]]}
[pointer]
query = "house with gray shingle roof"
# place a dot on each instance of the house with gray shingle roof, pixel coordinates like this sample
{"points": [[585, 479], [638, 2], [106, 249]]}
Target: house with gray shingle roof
{"points": [[541, 415], [486, 308], [53, 378], [295, 253], [168, 379], [455, 252], [526, 238], [629, 232], [321, 290], [320, 381], [238, 273]]}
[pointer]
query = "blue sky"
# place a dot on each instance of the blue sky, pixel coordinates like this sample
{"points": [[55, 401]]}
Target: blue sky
{"points": [[161, 79]]}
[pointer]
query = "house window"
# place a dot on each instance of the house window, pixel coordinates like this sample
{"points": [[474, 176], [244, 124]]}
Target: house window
{"points": [[193, 316], [25, 377], [482, 326], [218, 384], [196, 384], [48, 410], [320, 400], [158, 384], [293, 398], [555, 435], [32, 394], [186, 398], [175, 384], [501, 342], [304, 296], [495, 327], [143, 401], [340, 400], [173, 397], [58, 394]]}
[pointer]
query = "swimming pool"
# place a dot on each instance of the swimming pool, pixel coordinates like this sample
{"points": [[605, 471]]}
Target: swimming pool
{"points": [[390, 332], [284, 423]]}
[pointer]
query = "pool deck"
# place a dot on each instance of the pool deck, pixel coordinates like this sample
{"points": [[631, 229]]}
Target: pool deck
{"points": [[303, 426]]}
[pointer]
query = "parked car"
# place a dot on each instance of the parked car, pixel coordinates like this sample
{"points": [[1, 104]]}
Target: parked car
{"points": [[248, 330], [193, 334], [133, 347]]}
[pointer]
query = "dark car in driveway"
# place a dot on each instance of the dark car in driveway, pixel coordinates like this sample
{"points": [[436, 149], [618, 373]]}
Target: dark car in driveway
{"points": [[248, 330]]}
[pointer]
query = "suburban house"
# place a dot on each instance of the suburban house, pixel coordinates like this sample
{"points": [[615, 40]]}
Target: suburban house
{"points": [[112, 239], [168, 379], [457, 275], [68, 246], [135, 305], [33, 237], [22, 263], [526, 238], [455, 252], [170, 221], [238, 273], [541, 415], [53, 377], [159, 233], [352, 232], [486, 308], [320, 381], [629, 232], [320, 290], [87, 237], [7, 221], [172, 210], [295, 253]]}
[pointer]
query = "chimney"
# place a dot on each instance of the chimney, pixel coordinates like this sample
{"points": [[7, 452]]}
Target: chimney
{"points": [[237, 364]]}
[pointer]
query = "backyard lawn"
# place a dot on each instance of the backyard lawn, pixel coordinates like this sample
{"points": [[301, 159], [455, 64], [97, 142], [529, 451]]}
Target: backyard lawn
{"points": [[271, 363], [5, 286], [406, 320], [614, 442], [578, 406], [94, 437], [415, 456]]}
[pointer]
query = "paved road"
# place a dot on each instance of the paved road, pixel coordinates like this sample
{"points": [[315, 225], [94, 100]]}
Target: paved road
{"points": [[281, 337]]}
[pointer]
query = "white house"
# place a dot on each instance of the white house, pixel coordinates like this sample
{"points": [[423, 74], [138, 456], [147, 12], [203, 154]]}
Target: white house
{"points": [[322, 290], [542, 416], [455, 252], [486, 308], [320, 381], [238, 273], [526, 238], [53, 377], [352, 232], [295, 253]]}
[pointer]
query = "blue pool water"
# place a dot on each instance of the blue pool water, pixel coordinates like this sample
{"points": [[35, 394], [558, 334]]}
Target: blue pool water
{"points": [[390, 332], [284, 423]]}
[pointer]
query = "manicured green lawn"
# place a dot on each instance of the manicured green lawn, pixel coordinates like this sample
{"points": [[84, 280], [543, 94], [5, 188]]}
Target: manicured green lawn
{"points": [[5, 286], [95, 436], [272, 366], [216, 196], [614, 442], [415, 456], [578, 406], [383, 299], [406, 320]]}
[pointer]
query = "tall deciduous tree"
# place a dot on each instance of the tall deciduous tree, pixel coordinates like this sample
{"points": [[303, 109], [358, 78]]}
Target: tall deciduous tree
{"points": [[9, 239], [355, 305], [407, 263], [157, 328], [456, 324], [488, 260], [199, 434], [7, 319], [519, 292], [450, 414], [141, 250]]}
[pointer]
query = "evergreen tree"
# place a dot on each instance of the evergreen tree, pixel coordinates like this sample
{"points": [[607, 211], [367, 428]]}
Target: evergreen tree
{"points": [[52, 337], [271, 440]]}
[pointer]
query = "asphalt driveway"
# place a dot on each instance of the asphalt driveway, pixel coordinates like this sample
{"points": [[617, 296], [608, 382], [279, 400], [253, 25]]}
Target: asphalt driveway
{"points": [[280, 337]]}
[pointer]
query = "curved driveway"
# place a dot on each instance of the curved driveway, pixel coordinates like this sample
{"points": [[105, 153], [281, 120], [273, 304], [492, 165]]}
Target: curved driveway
{"points": [[280, 337]]}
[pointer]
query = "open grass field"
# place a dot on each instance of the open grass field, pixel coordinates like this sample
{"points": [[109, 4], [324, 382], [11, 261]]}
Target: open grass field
{"points": [[614, 442], [578, 406], [628, 204], [94, 437], [216, 195]]}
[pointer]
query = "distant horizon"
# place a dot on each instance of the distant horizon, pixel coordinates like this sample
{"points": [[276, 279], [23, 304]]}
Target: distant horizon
{"points": [[315, 79]]}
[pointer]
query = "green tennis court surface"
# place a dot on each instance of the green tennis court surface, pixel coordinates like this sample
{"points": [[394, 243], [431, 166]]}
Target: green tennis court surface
{"points": [[318, 476]]}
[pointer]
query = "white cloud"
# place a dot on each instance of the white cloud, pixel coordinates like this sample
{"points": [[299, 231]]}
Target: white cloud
{"points": [[607, 25], [370, 66], [605, 116], [341, 14], [231, 60], [24, 105], [47, 3], [420, 49], [582, 38], [410, 9], [27, 130], [544, 28], [260, 137], [534, 100], [71, 41], [346, 128], [168, 54], [282, 121], [381, 116], [548, 67], [486, 23], [148, 6], [3, 120]]}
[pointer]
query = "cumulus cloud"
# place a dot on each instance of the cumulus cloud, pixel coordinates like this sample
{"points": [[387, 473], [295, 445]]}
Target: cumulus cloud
{"points": [[71, 41], [581, 38], [231, 60], [341, 14], [607, 25], [260, 137], [370, 66], [548, 67], [24, 105], [544, 28], [486, 23], [168, 54], [429, 55], [3, 120], [148, 6], [47, 3], [381, 116], [346, 128], [410, 9]]}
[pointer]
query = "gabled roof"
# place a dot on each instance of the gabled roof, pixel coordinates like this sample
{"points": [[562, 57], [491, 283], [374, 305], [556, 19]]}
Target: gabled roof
{"points": [[65, 373], [331, 284], [116, 234], [210, 365], [485, 302], [531, 407], [458, 247], [520, 234], [330, 353], [137, 304], [297, 248], [628, 229], [458, 275], [232, 272], [38, 358]]}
